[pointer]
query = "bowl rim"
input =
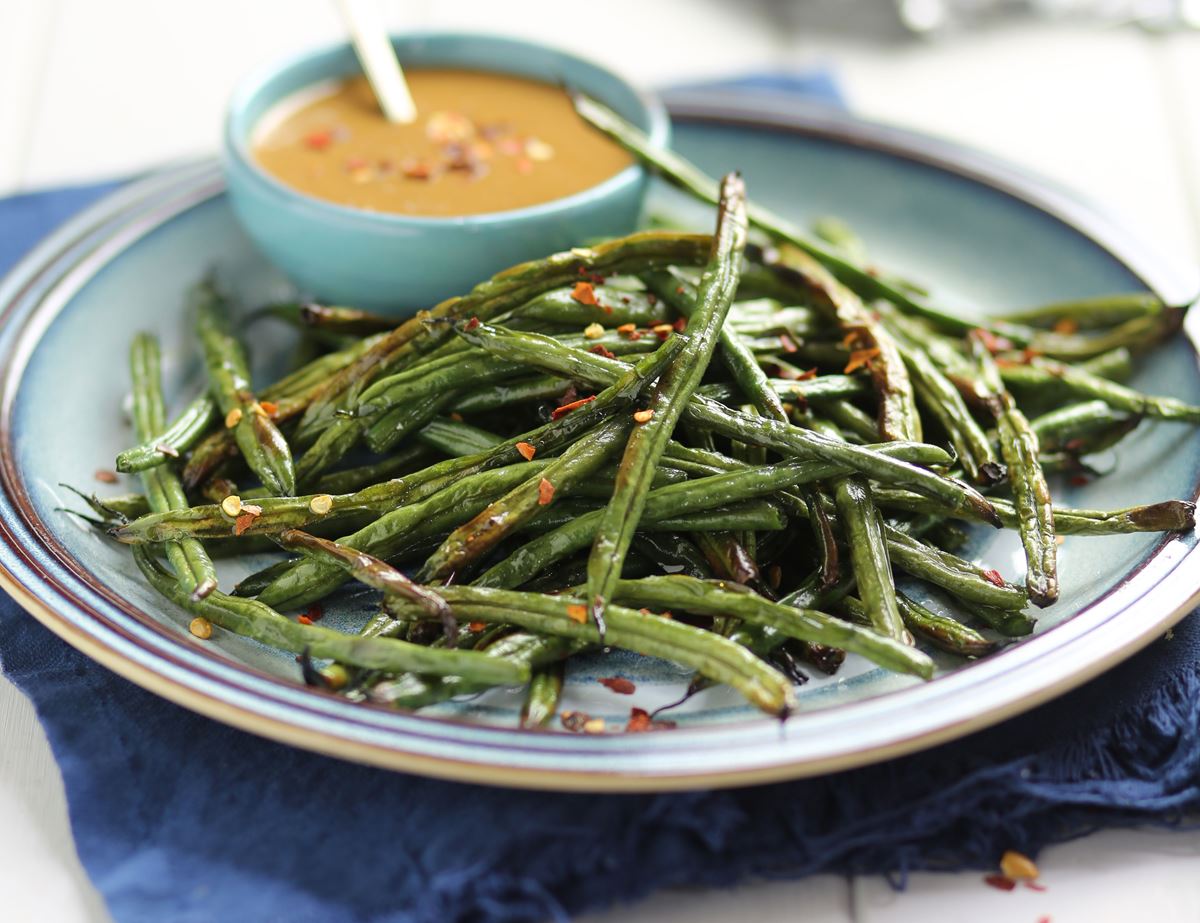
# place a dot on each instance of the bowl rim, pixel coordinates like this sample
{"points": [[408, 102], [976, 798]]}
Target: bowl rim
{"points": [[237, 152]]}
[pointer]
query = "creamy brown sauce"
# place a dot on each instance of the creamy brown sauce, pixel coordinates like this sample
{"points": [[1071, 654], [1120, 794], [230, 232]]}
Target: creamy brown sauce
{"points": [[482, 142]]}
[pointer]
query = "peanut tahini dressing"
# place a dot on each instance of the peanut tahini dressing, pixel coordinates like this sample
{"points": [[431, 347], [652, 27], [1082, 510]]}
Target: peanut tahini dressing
{"points": [[483, 142]]}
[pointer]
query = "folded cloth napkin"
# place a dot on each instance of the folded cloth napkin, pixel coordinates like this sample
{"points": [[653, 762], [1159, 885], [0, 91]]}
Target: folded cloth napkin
{"points": [[179, 818]]}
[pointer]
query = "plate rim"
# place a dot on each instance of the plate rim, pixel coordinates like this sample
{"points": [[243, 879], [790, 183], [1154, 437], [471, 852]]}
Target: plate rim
{"points": [[90, 630]]}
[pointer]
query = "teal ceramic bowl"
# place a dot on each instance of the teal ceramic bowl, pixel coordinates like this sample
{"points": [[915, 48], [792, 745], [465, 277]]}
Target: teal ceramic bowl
{"points": [[399, 263]]}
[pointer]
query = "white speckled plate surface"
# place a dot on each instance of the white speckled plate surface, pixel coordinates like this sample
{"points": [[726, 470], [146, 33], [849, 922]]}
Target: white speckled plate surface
{"points": [[983, 235]]}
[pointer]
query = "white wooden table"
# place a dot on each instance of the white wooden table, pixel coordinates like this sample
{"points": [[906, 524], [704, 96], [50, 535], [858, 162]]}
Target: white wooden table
{"points": [[96, 89]]}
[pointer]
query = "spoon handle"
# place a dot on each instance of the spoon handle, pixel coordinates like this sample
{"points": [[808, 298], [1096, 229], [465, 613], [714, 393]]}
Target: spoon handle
{"points": [[378, 58]]}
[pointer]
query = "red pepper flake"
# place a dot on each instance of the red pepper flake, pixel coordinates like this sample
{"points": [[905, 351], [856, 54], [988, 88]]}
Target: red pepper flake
{"points": [[524, 166], [1045, 918], [243, 522], [270, 407], [619, 685], [416, 169], [355, 163], [584, 293], [993, 576], [545, 492], [627, 330], [105, 476], [788, 344], [304, 620], [567, 408], [625, 299], [527, 451], [577, 613], [680, 324], [472, 323], [992, 343], [861, 358], [318, 140], [679, 290], [315, 612], [662, 331], [476, 626], [1028, 354], [1066, 326], [640, 720], [1000, 882], [1078, 480], [456, 417], [601, 350], [807, 374], [1035, 886], [851, 338]]}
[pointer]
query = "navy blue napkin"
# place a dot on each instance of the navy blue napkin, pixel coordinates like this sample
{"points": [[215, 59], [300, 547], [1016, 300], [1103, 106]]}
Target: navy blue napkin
{"points": [[179, 818]]}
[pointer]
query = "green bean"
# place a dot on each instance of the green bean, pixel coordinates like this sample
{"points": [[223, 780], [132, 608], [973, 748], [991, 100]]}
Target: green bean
{"points": [[541, 699], [822, 390], [941, 631], [1082, 382], [649, 439], [335, 320], [965, 580], [366, 569], [735, 354], [260, 442], [729, 559], [506, 290], [863, 528], [897, 409], [470, 541], [403, 462], [708, 653], [252, 619], [716, 598], [192, 565], [177, 438], [520, 391], [113, 509], [1137, 334], [1089, 313], [1060, 427], [613, 307], [425, 399], [453, 437], [944, 402], [1031, 493], [1168, 516], [1012, 623]]}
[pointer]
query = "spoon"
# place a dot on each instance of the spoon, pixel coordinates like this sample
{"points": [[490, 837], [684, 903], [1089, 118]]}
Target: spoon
{"points": [[378, 59]]}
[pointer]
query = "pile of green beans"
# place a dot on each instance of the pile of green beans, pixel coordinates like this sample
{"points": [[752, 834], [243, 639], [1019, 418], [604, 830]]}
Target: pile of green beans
{"points": [[743, 451]]}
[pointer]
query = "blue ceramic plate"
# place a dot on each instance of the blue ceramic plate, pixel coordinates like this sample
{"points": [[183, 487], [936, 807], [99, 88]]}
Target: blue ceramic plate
{"points": [[988, 238]]}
